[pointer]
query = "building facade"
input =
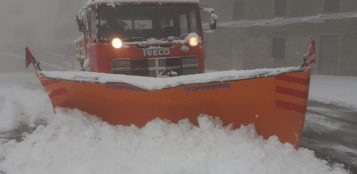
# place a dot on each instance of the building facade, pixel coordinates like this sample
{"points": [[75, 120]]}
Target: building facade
{"points": [[274, 33]]}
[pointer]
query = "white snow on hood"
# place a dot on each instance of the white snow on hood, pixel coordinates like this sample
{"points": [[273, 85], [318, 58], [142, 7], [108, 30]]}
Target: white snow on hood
{"points": [[150, 83]]}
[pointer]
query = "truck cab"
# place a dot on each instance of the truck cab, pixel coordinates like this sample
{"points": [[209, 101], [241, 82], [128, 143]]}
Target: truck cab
{"points": [[155, 39]]}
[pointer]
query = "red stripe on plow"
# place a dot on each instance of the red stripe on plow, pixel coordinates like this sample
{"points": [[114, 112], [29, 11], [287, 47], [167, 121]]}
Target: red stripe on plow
{"points": [[291, 92], [290, 106]]}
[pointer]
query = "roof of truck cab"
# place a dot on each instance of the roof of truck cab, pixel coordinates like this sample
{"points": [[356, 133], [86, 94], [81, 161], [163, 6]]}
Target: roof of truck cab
{"points": [[111, 2]]}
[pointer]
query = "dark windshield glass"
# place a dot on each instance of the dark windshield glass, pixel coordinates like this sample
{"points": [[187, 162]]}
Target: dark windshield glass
{"points": [[133, 23]]}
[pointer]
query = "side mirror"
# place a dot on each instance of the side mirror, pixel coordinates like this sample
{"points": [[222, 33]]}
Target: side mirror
{"points": [[81, 26], [212, 21], [82, 20], [212, 18]]}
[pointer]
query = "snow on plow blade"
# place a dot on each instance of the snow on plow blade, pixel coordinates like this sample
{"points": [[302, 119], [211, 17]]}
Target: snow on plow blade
{"points": [[275, 104]]}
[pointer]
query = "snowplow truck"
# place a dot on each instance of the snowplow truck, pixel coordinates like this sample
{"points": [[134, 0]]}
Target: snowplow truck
{"points": [[150, 38], [145, 59]]}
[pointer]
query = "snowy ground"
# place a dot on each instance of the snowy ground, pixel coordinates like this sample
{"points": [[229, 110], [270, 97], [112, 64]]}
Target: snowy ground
{"points": [[338, 90], [331, 131], [72, 142]]}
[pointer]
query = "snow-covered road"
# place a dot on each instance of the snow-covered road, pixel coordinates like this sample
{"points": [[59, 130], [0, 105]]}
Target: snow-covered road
{"points": [[71, 142], [331, 131]]}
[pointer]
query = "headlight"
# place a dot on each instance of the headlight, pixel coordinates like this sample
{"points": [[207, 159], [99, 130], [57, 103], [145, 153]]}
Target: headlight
{"points": [[117, 43], [193, 39]]}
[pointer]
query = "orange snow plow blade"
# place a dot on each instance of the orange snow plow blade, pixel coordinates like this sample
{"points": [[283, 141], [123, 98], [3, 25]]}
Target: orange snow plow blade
{"points": [[274, 102], [275, 105]]}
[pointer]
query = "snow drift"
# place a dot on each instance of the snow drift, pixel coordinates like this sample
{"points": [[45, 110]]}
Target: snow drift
{"points": [[75, 143], [19, 105]]}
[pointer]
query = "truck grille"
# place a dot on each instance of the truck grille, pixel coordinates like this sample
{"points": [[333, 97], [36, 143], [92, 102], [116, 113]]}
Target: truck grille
{"points": [[156, 67]]}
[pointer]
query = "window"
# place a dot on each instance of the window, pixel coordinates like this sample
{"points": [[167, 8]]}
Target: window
{"points": [[146, 24], [238, 9], [278, 48], [331, 6], [280, 8], [137, 23]]}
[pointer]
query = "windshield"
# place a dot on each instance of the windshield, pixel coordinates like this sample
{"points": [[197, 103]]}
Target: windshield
{"points": [[134, 23]]}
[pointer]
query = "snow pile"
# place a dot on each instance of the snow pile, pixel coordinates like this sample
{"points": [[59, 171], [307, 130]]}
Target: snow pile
{"points": [[20, 105], [339, 90], [150, 83], [74, 143]]}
